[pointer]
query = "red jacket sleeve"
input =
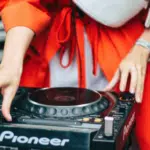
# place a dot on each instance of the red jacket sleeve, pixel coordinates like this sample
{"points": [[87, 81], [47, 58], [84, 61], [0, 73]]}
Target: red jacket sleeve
{"points": [[28, 13]]}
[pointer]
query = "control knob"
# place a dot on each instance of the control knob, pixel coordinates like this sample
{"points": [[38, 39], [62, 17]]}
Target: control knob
{"points": [[108, 126]]}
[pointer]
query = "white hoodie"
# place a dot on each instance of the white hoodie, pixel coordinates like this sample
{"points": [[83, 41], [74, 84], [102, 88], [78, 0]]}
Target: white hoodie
{"points": [[113, 13]]}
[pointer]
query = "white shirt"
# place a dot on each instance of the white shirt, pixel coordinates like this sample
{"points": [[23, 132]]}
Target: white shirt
{"points": [[113, 13], [68, 77]]}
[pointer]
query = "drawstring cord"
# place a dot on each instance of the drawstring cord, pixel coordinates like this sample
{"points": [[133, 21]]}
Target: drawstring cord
{"points": [[70, 33]]}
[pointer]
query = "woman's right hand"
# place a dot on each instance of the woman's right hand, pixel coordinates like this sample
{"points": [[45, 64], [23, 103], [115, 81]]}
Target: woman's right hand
{"points": [[9, 82]]}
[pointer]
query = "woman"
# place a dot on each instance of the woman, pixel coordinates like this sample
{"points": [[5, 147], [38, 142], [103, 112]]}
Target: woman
{"points": [[51, 30]]}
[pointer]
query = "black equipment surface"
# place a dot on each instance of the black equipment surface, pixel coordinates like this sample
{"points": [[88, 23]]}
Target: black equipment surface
{"points": [[68, 119]]}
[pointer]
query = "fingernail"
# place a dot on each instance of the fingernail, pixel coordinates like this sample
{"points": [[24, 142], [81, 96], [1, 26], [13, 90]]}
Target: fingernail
{"points": [[138, 99], [9, 118], [121, 88], [132, 90]]}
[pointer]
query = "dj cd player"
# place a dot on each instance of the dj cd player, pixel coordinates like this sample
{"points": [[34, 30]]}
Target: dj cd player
{"points": [[68, 119]]}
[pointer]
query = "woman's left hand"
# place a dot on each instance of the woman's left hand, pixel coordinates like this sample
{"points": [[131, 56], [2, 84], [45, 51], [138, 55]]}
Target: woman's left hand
{"points": [[134, 64]]}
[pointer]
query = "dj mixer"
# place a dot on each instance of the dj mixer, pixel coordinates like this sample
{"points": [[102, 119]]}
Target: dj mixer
{"points": [[68, 119]]}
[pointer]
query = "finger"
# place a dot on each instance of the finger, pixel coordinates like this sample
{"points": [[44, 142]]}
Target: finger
{"points": [[134, 77], [8, 95], [140, 84], [123, 80], [114, 81]]}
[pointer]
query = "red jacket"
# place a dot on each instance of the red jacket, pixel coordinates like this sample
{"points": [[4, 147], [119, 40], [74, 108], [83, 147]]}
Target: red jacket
{"points": [[57, 23]]}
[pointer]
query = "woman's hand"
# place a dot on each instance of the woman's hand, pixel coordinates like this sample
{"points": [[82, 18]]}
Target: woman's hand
{"points": [[17, 42], [9, 82], [134, 64]]}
